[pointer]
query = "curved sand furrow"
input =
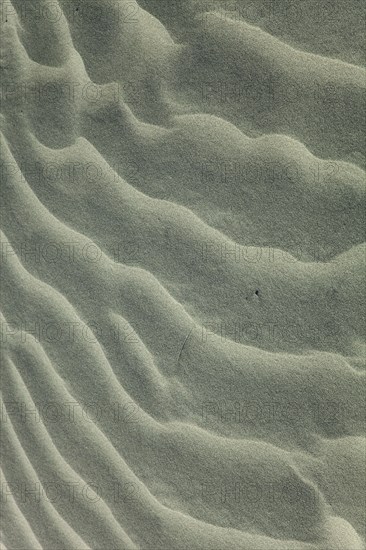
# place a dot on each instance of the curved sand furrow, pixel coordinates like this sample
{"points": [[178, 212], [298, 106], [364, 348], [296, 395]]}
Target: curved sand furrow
{"points": [[17, 530], [115, 435], [273, 160], [151, 230], [303, 186], [123, 504], [313, 26], [183, 263]]}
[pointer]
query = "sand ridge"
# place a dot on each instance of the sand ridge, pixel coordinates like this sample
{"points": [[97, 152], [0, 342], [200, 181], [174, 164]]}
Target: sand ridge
{"points": [[182, 278]]}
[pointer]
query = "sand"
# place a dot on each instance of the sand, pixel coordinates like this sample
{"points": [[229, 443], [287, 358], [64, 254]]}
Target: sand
{"points": [[182, 275]]}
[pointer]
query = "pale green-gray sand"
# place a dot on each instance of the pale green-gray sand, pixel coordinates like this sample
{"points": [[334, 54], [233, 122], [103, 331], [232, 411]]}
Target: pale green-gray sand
{"points": [[182, 275]]}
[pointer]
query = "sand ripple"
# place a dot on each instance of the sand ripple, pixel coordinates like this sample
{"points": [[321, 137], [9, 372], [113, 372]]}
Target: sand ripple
{"points": [[182, 267]]}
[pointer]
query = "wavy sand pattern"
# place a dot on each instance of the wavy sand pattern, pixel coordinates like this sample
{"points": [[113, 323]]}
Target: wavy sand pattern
{"points": [[182, 269]]}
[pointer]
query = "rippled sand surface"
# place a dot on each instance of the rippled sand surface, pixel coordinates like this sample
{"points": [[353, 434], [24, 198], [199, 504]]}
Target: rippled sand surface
{"points": [[182, 275]]}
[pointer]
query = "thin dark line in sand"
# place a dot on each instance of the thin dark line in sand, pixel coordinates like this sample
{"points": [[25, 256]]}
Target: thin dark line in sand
{"points": [[184, 343]]}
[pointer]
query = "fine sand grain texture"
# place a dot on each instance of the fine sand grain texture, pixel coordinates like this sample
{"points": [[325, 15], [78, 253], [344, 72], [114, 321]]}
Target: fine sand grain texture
{"points": [[183, 275]]}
